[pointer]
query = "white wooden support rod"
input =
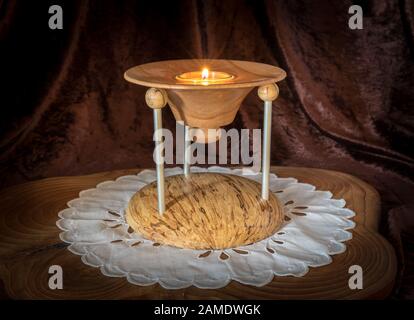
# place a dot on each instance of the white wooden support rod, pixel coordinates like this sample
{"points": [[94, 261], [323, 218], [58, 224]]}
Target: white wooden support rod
{"points": [[268, 93], [159, 160], [157, 99], [187, 145], [267, 128]]}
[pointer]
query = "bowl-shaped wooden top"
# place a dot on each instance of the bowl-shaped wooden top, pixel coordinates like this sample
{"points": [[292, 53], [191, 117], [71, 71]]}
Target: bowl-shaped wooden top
{"points": [[163, 74], [205, 211]]}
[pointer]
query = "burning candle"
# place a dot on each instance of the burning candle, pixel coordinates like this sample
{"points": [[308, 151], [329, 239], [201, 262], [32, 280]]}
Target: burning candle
{"points": [[205, 73], [204, 77]]}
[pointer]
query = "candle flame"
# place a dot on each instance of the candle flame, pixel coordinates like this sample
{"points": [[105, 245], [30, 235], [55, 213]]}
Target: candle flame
{"points": [[204, 74]]}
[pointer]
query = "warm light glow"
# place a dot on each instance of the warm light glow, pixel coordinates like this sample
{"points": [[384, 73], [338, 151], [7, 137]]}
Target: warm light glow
{"points": [[204, 74], [205, 77]]}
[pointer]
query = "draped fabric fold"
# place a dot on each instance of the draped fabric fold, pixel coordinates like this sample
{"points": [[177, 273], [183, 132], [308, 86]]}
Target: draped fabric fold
{"points": [[346, 105]]}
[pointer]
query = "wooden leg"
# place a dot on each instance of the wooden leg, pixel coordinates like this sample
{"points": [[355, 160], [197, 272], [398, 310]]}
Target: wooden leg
{"points": [[268, 93], [187, 144], [159, 161], [267, 128], [156, 99]]}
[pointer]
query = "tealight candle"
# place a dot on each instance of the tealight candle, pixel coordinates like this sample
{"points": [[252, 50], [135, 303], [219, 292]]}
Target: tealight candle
{"points": [[204, 77]]}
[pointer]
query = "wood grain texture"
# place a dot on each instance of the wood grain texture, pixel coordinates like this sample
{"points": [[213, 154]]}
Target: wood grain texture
{"points": [[162, 74], [30, 244], [208, 109], [205, 211], [199, 105]]}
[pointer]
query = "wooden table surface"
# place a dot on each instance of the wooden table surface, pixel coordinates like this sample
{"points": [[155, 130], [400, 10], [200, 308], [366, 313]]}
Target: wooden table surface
{"points": [[29, 244]]}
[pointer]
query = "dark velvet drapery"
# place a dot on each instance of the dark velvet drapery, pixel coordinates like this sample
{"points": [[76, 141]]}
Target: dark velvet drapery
{"points": [[346, 105]]}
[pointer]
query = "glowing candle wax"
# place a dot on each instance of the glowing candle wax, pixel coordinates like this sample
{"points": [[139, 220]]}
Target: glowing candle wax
{"points": [[204, 77]]}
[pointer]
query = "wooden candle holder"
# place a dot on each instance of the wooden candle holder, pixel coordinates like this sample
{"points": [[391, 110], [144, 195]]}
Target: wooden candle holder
{"points": [[206, 211]]}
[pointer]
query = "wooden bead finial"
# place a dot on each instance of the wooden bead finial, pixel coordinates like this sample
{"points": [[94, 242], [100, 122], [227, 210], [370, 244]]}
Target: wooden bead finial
{"points": [[268, 92], [156, 98]]}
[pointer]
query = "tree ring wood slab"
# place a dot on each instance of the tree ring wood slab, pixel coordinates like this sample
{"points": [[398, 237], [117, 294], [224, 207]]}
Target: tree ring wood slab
{"points": [[205, 211], [30, 244]]}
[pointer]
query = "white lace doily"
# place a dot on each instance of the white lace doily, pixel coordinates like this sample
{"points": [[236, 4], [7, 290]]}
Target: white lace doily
{"points": [[95, 227]]}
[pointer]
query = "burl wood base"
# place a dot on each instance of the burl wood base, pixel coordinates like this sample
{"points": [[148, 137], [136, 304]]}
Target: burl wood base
{"points": [[205, 211], [30, 244]]}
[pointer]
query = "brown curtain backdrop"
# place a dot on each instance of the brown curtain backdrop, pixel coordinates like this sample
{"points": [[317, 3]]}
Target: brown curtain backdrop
{"points": [[347, 104]]}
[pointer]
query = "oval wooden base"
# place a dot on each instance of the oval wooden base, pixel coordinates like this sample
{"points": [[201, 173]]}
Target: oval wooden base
{"points": [[30, 244], [205, 211]]}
